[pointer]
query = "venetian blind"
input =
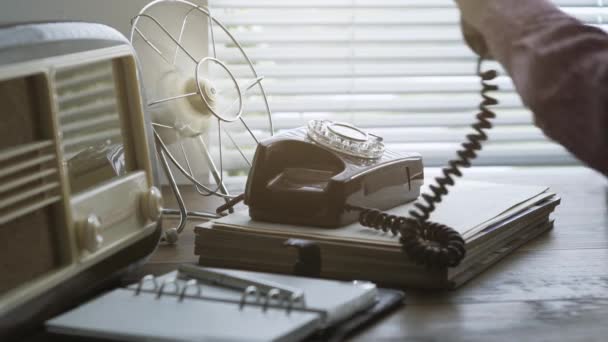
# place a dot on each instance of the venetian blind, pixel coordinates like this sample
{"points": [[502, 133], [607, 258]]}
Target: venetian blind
{"points": [[399, 69]]}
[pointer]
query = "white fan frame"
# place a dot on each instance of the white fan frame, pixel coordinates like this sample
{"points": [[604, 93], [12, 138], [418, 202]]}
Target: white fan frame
{"points": [[171, 234]]}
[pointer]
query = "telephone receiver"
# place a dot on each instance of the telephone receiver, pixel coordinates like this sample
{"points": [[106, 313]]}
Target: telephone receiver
{"points": [[475, 40]]}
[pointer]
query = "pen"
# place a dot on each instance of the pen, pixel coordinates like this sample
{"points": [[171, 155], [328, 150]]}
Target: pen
{"points": [[241, 282]]}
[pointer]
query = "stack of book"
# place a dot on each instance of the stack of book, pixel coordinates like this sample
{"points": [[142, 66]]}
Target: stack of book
{"points": [[494, 219]]}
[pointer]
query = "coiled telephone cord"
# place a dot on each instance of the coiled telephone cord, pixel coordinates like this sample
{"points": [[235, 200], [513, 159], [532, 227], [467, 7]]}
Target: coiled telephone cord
{"points": [[433, 244]]}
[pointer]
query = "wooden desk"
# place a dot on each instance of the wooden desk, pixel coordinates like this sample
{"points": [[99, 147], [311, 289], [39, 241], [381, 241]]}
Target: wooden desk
{"points": [[554, 288]]}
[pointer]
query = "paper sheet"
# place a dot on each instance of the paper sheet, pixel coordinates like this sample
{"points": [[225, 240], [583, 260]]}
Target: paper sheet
{"points": [[469, 207]]}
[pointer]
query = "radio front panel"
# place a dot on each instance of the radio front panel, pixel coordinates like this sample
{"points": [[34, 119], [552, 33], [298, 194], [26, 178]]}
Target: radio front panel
{"points": [[76, 178]]}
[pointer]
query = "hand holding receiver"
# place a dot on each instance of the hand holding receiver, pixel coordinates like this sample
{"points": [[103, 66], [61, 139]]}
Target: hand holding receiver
{"points": [[474, 40], [471, 14], [471, 11]]}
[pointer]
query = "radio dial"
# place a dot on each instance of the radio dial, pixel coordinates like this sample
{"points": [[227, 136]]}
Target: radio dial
{"points": [[152, 204], [88, 231]]}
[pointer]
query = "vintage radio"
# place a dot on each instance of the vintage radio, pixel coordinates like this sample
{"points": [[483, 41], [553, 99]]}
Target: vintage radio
{"points": [[78, 201]]}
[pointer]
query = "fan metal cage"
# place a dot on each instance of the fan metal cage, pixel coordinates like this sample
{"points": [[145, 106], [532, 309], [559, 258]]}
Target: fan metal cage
{"points": [[165, 34]]}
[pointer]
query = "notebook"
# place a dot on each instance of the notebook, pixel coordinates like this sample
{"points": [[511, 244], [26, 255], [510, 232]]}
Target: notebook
{"points": [[174, 307], [494, 220]]}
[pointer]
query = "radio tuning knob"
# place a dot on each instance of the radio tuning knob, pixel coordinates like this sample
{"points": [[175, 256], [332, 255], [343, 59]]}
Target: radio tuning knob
{"points": [[88, 233], [151, 204]]}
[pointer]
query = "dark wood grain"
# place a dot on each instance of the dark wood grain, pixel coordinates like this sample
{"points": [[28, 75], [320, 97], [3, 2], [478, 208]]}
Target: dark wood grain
{"points": [[560, 320], [552, 289]]}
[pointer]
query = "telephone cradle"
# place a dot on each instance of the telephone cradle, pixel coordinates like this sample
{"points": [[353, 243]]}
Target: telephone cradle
{"points": [[296, 180]]}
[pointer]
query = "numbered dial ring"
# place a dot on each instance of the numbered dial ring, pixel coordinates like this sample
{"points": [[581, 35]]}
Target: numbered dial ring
{"points": [[345, 138]]}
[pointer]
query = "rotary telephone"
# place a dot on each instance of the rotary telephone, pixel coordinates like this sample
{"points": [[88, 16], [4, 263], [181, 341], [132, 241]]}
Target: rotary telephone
{"points": [[330, 174]]}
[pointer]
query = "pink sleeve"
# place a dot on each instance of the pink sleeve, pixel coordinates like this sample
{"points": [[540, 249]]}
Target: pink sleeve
{"points": [[560, 69]]}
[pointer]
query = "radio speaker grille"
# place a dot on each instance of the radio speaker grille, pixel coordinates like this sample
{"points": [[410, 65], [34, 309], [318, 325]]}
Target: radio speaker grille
{"points": [[88, 110], [29, 185]]}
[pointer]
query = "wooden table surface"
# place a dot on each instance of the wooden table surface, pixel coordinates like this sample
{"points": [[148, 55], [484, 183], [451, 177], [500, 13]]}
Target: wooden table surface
{"points": [[552, 289]]}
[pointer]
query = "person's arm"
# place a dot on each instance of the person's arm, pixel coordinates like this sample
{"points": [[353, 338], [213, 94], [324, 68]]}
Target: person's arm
{"points": [[559, 67]]}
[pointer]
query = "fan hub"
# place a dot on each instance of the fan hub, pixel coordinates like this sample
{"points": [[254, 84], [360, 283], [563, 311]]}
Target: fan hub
{"points": [[209, 92]]}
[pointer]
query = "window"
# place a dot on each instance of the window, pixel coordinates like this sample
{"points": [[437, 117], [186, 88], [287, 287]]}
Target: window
{"points": [[397, 68]]}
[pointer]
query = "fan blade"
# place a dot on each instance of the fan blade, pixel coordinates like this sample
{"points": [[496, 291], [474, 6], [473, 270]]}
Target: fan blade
{"points": [[185, 110]]}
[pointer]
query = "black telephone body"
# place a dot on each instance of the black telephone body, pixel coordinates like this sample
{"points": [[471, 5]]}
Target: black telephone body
{"points": [[298, 178]]}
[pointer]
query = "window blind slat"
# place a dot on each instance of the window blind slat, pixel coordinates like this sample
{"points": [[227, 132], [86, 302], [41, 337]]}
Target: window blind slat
{"points": [[342, 68], [284, 121], [365, 16], [346, 35], [353, 53], [392, 135], [364, 3], [376, 85], [455, 134], [356, 16], [307, 35], [362, 103]]}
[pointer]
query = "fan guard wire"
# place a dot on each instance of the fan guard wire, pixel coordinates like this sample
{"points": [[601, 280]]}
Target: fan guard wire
{"points": [[163, 150]]}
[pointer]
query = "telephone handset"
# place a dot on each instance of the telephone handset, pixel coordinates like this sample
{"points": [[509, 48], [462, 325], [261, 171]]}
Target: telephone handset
{"points": [[331, 174], [307, 176]]}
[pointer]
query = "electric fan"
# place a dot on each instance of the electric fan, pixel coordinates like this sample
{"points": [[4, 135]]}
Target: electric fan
{"points": [[195, 100]]}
